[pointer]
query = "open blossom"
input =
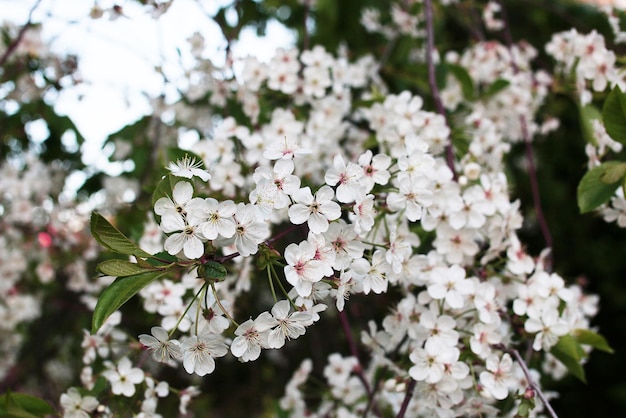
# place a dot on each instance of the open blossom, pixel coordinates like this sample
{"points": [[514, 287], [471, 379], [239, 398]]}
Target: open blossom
{"points": [[315, 210], [199, 352], [286, 325], [450, 285], [413, 196], [76, 406], [499, 376], [188, 167], [346, 177], [302, 270], [251, 336], [163, 348], [123, 377], [251, 229], [213, 218], [372, 276]]}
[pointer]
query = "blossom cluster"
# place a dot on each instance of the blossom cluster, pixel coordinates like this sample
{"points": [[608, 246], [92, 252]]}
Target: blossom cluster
{"points": [[330, 186], [362, 215]]}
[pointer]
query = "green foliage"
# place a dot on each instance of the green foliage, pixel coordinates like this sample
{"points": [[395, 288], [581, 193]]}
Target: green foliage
{"points": [[569, 352], [599, 184], [111, 238], [118, 293], [122, 268], [588, 114], [614, 115], [21, 405]]}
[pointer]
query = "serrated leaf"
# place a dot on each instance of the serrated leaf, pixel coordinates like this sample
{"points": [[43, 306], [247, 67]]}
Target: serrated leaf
{"points": [[614, 115], [464, 79], [23, 405], [588, 114], [118, 293], [111, 238], [122, 268], [595, 340], [593, 191], [569, 352]]}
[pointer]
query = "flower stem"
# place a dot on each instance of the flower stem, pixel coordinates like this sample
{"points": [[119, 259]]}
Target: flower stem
{"points": [[219, 303]]}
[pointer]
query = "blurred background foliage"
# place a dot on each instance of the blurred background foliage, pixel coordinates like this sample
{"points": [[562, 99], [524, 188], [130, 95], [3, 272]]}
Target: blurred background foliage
{"points": [[586, 249]]}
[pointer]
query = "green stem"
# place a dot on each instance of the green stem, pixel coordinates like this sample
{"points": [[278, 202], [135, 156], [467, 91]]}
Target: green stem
{"points": [[219, 303], [186, 310]]}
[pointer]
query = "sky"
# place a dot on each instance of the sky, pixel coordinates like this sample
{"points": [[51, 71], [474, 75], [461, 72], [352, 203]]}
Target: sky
{"points": [[117, 57]]}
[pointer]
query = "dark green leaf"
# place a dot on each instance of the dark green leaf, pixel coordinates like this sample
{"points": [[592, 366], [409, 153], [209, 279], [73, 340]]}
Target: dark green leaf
{"points": [[22, 405], [614, 115], [495, 88], [588, 114], [122, 268], [569, 352], [588, 337], [118, 293], [463, 77], [111, 238], [593, 191]]}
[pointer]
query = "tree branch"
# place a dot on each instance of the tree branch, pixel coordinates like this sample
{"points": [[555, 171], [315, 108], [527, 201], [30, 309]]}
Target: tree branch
{"points": [[532, 171], [432, 83], [20, 35]]}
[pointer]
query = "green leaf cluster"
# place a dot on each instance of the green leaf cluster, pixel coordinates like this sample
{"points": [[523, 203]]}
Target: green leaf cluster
{"points": [[599, 184], [570, 352]]}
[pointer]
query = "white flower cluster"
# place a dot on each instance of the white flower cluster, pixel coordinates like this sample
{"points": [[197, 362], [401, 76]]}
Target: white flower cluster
{"points": [[364, 195]]}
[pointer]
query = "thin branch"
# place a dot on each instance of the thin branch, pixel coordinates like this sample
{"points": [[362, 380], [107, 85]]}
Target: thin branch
{"points": [[531, 381], [407, 398], [432, 83], [20, 35], [532, 171], [305, 27], [353, 350]]}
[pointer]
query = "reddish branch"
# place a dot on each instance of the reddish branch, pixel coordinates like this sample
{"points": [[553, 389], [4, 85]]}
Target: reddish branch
{"points": [[532, 171], [20, 35], [432, 83]]}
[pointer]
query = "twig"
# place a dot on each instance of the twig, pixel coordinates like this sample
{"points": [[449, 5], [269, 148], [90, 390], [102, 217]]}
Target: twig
{"points": [[531, 381], [532, 171], [432, 83], [20, 35], [407, 398], [359, 370]]}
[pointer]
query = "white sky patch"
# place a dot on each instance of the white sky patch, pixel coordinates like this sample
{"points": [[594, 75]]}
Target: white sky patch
{"points": [[118, 58]]}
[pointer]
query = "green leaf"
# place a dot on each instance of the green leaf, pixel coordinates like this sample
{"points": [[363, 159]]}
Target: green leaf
{"points": [[588, 337], [122, 268], [569, 352], [22, 405], [495, 88], [588, 114], [613, 173], [464, 79], [111, 238], [594, 189], [118, 293], [614, 115]]}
